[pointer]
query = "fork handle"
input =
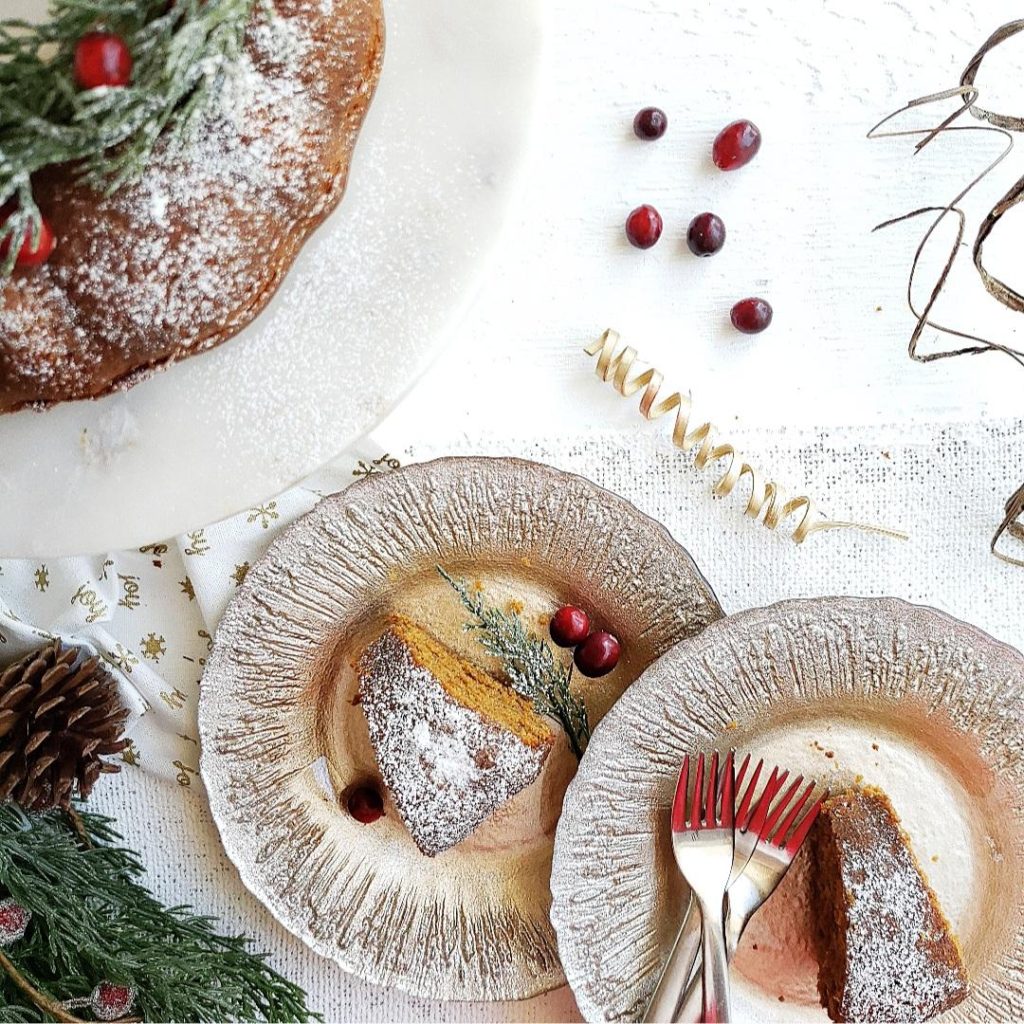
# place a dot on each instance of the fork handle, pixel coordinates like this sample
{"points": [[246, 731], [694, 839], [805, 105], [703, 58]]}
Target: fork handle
{"points": [[688, 1008], [715, 970], [664, 1004]]}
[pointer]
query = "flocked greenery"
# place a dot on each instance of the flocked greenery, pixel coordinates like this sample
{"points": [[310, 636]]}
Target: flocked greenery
{"points": [[93, 921], [181, 51], [528, 661]]}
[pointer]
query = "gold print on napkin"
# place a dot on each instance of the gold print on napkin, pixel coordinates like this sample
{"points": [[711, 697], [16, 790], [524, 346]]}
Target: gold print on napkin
{"points": [[157, 551], [197, 543], [386, 461], [184, 773], [130, 754], [187, 589], [87, 597], [264, 514], [130, 596], [175, 699], [122, 659], [42, 578], [241, 571], [106, 565], [153, 647]]}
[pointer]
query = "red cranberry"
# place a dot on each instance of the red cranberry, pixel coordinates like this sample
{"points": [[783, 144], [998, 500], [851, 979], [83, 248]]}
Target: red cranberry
{"points": [[706, 234], [643, 226], [102, 58], [14, 919], [365, 804], [751, 316], [598, 654], [650, 123], [569, 626], [110, 1001], [30, 255], [737, 144]]}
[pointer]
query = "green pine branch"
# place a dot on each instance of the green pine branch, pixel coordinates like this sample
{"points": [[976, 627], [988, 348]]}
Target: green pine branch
{"points": [[181, 51], [531, 667], [92, 921]]}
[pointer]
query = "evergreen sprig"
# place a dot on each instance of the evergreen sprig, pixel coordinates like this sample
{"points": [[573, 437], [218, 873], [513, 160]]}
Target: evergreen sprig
{"points": [[92, 921], [528, 661], [181, 51]]}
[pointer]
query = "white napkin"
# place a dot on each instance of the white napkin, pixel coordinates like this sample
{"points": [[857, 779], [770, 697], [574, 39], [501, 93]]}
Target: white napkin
{"points": [[151, 612]]}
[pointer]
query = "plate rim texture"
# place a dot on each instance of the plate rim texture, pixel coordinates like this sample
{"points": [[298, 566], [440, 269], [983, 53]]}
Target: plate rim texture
{"points": [[446, 484]]}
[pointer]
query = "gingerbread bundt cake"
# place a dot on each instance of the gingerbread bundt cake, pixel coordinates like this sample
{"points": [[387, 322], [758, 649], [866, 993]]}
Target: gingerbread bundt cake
{"points": [[452, 743], [185, 257]]}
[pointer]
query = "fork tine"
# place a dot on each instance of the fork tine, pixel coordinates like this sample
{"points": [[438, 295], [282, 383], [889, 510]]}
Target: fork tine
{"points": [[743, 811], [728, 812], [679, 800], [779, 837], [800, 834], [711, 805], [778, 808], [764, 803], [696, 809]]}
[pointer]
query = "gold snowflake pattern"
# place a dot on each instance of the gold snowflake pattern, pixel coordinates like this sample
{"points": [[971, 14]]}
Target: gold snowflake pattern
{"points": [[187, 589], [241, 571], [263, 514], [42, 576], [130, 754], [153, 647], [120, 657], [184, 773]]}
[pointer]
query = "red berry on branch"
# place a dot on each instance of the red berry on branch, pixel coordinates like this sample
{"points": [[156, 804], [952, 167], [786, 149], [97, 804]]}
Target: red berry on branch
{"points": [[102, 58], [650, 123], [14, 919], [598, 654], [706, 234], [569, 626], [737, 144], [110, 1001], [365, 804], [751, 316], [643, 226]]}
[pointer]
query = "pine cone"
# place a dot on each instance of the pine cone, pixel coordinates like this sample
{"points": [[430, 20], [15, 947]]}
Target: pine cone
{"points": [[59, 714]]}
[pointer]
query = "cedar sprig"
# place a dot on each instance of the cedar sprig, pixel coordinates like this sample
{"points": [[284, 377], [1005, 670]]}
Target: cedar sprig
{"points": [[181, 51], [528, 661], [92, 920]]}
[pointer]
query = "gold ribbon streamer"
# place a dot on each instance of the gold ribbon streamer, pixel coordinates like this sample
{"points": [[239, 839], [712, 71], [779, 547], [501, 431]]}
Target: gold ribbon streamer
{"points": [[768, 502]]}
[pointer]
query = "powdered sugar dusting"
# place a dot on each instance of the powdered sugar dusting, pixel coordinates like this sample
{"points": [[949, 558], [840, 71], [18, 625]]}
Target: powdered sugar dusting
{"points": [[897, 948], [185, 256], [447, 767]]}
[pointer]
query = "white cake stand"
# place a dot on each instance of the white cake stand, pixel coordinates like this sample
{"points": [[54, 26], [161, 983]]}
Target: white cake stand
{"points": [[360, 316]]}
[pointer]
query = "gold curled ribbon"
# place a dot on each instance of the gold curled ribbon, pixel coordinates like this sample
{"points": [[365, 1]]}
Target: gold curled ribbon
{"points": [[768, 502]]}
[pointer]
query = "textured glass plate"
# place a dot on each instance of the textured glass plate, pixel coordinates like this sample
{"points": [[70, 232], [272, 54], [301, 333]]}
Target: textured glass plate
{"points": [[282, 740], [907, 698]]}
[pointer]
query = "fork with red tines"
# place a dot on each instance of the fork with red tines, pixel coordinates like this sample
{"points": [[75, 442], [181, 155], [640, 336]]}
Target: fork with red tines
{"points": [[765, 831]]}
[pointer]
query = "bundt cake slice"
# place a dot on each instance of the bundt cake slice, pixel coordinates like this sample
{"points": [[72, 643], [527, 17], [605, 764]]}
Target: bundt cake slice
{"points": [[452, 742], [885, 949]]}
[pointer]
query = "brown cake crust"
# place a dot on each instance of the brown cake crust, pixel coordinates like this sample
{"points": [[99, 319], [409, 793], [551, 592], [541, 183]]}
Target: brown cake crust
{"points": [[183, 259], [885, 949]]}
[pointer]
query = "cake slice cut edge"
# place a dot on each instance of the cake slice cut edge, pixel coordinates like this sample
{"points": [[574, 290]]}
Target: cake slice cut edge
{"points": [[453, 743], [886, 951]]}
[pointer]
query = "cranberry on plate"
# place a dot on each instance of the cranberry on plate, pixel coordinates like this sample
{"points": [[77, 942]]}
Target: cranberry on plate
{"points": [[736, 144], [598, 654]]}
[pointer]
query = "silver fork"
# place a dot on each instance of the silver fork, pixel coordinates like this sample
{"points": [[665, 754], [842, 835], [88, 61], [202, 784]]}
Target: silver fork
{"points": [[667, 1000], [775, 834], [702, 841]]}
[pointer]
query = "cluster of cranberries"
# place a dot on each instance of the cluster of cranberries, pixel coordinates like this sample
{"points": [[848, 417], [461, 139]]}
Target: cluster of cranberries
{"points": [[596, 653], [736, 145], [101, 59]]}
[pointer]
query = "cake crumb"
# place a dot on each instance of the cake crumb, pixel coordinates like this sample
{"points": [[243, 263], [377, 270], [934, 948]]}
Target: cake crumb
{"points": [[515, 607], [830, 753], [525, 562], [478, 586], [782, 999], [874, 746], [730, 726], [935, 858]]}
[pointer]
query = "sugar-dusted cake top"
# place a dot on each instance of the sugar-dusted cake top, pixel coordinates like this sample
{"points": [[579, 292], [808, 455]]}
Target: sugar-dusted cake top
{"points": [[452, 743], [888, 952]]}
